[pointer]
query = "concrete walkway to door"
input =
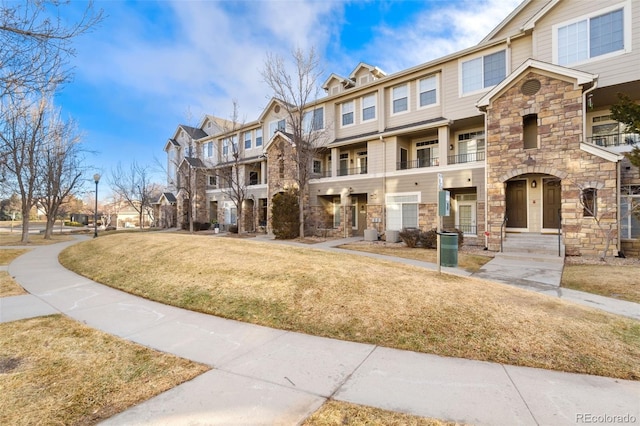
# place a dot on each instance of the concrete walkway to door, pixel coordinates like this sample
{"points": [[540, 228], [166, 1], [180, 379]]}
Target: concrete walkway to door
{"points": [[266, 376]]}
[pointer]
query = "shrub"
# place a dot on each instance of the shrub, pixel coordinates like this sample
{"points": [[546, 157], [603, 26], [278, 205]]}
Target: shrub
{"points": [[429, 239], [285, 215], [410, 236], [233, 229], [69, 223]]}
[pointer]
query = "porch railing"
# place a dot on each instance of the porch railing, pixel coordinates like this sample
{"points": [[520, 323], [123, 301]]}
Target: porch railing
{"points": [[415, 164], [352, 171], [504, 223], [466, 158], [615, 139]]}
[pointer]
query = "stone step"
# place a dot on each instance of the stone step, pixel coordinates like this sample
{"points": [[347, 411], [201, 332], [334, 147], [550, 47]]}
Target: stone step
{"points": [[539, 244], [532, 257]]}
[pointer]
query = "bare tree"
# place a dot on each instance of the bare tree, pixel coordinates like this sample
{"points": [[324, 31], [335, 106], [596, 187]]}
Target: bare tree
{"points": [[22, 131], [61, 166], [35, 44], [298, 91], [233, 173], [135, 187]]}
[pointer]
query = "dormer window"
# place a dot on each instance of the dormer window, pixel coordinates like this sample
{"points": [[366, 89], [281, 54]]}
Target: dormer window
{"points": [[364, 79]]}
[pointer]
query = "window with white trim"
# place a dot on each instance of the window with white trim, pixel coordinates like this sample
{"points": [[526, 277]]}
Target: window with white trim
{"points": [[277, 125], [225, 146], [211, 180], [346, 110], [313, 120], [369, 107], [207, 150], [258, 137], [400, 97], [483, 72], [402, 210], [591, 36], [629, 208], [247, 140], [427, 94]]}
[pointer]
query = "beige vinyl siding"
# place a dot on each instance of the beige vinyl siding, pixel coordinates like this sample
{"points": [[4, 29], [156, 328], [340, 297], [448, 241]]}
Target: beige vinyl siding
{"points": [[521, 50], [454, 106], [358, 127], [513, 27], [611, 70], [341, 187]]}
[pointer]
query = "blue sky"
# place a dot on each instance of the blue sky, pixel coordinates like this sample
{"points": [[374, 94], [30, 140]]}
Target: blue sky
{"points": [[152, 65]]}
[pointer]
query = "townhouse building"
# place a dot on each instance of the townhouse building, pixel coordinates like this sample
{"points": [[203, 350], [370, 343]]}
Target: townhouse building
{"points": [[518, 127]]}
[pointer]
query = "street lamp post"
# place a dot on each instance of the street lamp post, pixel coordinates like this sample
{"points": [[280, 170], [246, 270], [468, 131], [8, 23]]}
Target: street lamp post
{"points": [[96, 179]]}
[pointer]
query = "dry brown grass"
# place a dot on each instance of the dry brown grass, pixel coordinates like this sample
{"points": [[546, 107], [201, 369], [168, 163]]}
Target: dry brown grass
{"points": [[8, 286], [620, 282], [56, 371], [343, 413], [468, 262], [9, 255], [355, 298], [13, 239]]}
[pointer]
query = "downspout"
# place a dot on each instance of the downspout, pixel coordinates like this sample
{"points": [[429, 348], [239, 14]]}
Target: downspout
{"points": [[486, 183], [384, 184], [584, 102]]}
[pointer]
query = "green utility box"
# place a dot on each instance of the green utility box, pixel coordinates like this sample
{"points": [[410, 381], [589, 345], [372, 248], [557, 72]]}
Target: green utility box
{"points": [[449, 249]]}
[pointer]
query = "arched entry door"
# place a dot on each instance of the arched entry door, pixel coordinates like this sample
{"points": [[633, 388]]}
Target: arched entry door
{"points": [[516, 201], [551, 203]]}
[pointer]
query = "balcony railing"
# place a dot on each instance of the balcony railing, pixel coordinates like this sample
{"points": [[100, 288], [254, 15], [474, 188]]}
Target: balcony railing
{"points": [[415, 164], [352, 171], [615, 139], [466, 158], [320, 174]]}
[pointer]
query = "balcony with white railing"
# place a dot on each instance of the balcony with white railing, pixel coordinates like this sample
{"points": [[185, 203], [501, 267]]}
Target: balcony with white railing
{"points": [[615, 140]]}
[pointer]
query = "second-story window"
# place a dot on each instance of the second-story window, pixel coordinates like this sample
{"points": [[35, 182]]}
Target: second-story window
{"points": [[247, 140], [225, 147], [277, 125], [590, 37], [258, 137], [400, 98], [483, 72], [427, 87], [347, 113], [207, 150], [313, 120], [369, 107]]}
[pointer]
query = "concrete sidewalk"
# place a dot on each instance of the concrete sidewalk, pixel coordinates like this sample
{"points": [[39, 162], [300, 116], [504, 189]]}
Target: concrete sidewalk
{"points": [[268, 376]]}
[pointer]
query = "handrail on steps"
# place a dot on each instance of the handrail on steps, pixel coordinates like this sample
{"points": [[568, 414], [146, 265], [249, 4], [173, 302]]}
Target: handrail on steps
{"points": [[559, 231], [504, 223]]}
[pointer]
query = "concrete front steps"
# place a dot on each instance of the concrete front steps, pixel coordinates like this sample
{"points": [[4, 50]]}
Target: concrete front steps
{"points": [[532, 245]]}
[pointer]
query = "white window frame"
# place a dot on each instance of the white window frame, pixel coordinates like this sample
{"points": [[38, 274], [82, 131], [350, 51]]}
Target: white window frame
{"points": [[468, 59], [436, 79], [626, 11], [393, 98], [363, 106], [307, 125], [351, 111], [259, 140], [210, 179], [274, 125], [250, 140], [411, 197]]}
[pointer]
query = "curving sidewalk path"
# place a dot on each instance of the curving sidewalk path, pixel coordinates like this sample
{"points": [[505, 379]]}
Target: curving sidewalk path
{"points": [[268, 376]]}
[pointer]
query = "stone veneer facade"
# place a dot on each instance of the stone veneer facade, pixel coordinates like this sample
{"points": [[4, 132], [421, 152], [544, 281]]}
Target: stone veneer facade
{"points": [[560, 112]]}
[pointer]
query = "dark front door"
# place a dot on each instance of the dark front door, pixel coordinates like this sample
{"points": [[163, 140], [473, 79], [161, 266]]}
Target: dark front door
{"points": [[551, 203], [517, 204]]}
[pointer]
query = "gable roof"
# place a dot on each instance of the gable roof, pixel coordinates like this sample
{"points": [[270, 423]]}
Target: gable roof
{"points": [[272, 104], [287, 137], [346, 82], [194, 162], [377, 72], [194, 132], [581, 78], [171, 199], [171, 142]]}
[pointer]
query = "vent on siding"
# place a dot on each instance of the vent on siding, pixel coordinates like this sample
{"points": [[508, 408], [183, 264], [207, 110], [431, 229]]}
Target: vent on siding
{"points": [[530, 87]]}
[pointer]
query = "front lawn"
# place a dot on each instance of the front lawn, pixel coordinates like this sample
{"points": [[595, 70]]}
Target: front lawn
{"points": [[360, 299]]}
